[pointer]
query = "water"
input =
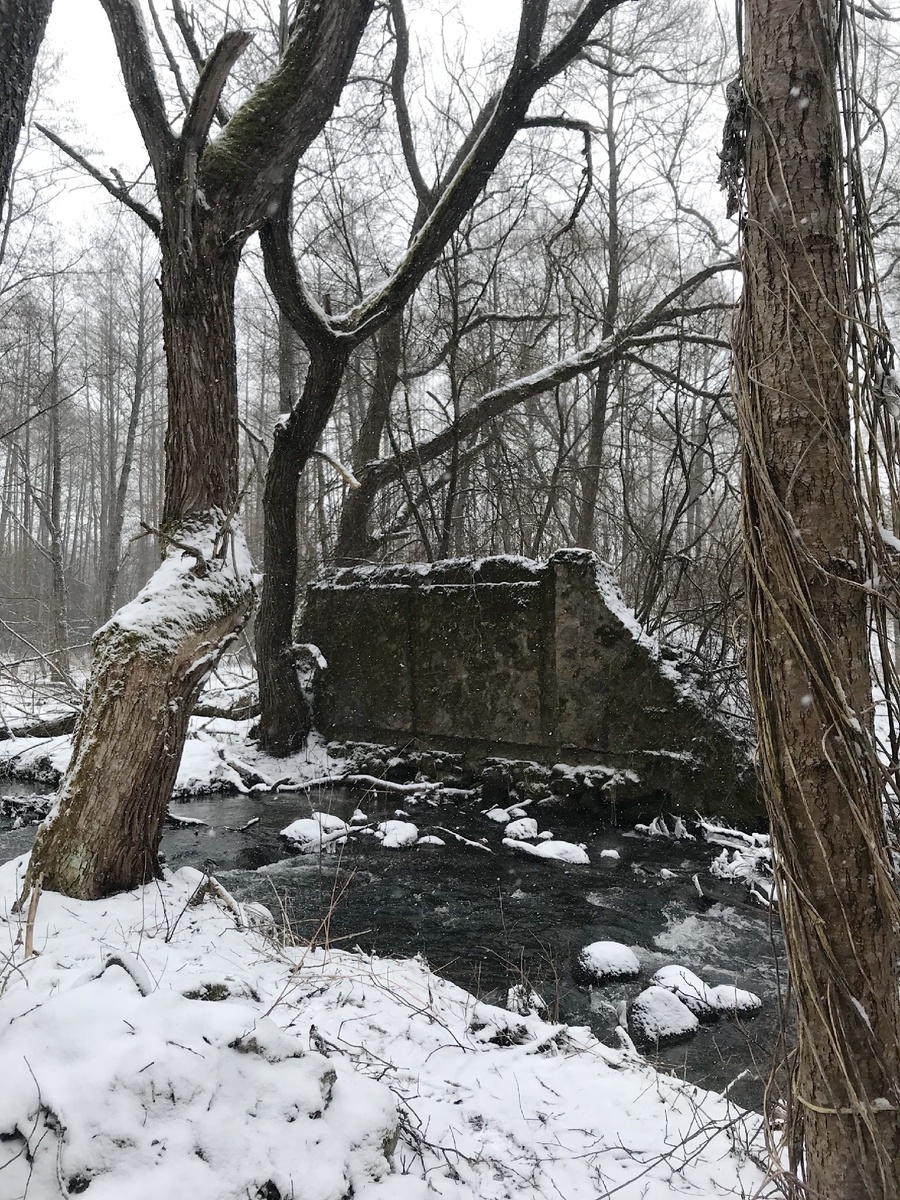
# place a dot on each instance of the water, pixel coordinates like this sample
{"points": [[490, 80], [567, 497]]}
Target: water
{"points": [[489, 920]]}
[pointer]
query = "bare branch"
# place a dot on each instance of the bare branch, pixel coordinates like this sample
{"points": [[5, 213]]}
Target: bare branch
{"points": [[310, 321], [213, 77], [587, 175], [398, 94], [40, 413], [494, 403], [186, 27], [170, 57], [570, 44], [117, 189], [493, 130], [260, 146]]}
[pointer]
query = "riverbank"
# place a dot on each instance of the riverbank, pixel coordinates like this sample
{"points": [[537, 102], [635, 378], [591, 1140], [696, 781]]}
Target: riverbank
{"points": [[169, 1042]]}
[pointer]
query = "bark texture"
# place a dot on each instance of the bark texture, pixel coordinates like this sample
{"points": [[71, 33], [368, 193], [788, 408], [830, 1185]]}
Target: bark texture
{"points": [[808, 642], [144, 682], [22, 25]]}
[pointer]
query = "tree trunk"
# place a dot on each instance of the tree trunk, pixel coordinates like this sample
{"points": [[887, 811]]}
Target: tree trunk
{"points": [[201, 362], [112, 542], [60, 589], [355, 544], [285, 716], [150, 660], [808, 641], [22, 24], [149, 663], [600, 393]]}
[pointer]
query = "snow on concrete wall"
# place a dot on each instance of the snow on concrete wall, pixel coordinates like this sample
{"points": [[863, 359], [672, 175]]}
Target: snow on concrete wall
{"points": [[510, 657]]}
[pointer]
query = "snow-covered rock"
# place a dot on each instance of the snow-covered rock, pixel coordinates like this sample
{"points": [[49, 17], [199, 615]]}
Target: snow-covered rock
{"points": [[565, 852], [688, 987], [395, 835], [657, 1015], [705, 1001], [431, 839], [309, 834], [603, 962], [728, 999], [500, 815], [523, 829]]}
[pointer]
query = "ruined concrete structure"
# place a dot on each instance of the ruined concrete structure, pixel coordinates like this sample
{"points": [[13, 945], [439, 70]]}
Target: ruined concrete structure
{"points": [[505, 657]]}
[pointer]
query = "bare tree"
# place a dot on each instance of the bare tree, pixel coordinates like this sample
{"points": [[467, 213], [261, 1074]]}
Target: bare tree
{"points": [[538, 58], [150, 660]]}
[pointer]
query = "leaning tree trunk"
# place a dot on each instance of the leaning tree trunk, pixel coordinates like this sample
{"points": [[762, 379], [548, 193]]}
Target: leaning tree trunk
{"points": [[808, 641], [150, 660], [149, 663]]}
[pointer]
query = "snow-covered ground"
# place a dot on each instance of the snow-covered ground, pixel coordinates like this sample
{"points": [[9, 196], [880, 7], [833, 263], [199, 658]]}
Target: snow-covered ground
{"points": [[155, 1046], [171, 1043]]}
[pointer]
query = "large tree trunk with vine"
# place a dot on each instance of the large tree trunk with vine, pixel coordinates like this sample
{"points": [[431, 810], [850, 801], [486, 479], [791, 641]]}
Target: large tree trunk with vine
{"points": [[808, 632]]}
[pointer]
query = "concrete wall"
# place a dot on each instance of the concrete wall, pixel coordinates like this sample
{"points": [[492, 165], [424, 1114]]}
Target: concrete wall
{"points": [[508, 657]]}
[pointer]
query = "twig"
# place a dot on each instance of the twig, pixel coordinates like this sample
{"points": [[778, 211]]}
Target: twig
{"points": [[30, 919]]}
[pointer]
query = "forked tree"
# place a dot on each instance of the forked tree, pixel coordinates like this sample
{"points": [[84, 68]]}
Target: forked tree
{"points": [[804, 359], [540, 56], [151, 658]]}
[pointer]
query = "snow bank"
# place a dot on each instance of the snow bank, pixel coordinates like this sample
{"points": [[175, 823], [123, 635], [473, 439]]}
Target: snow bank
{"points": [[153, 1048], [138, 1061]]}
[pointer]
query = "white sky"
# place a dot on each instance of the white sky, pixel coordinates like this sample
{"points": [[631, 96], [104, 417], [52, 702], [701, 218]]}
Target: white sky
{"points": [[89, 89], [87, 104]]}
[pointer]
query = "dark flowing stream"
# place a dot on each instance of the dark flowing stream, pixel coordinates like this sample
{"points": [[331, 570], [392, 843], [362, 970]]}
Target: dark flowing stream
{"points": [[491, 918]]}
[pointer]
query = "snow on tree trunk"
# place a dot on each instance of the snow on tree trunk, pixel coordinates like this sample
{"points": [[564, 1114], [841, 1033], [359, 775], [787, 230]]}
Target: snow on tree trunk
{"points": [[149, 662]]}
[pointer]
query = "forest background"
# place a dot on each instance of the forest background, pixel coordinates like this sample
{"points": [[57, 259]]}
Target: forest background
{"points": [[598, 214]]}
